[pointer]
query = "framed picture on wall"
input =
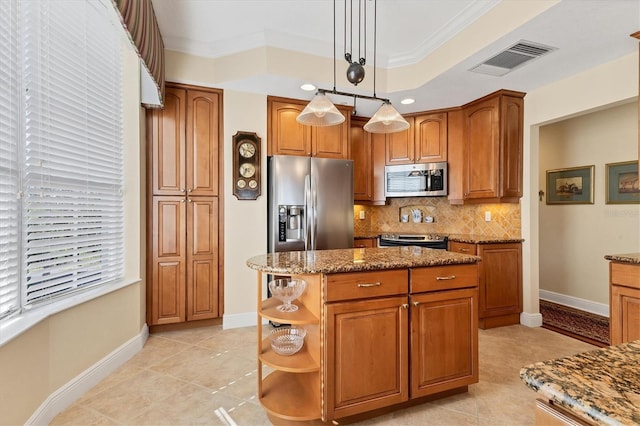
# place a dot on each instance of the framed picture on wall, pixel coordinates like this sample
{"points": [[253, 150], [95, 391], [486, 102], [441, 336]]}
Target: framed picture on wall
{"points": [[622, 183], [570, 186]]}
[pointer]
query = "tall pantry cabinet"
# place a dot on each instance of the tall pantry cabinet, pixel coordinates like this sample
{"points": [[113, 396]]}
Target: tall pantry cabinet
{"points": [[184, 241]]}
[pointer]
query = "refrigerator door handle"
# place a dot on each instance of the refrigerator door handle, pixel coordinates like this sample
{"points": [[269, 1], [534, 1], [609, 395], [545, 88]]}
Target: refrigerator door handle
{"points": [[307, 211], [314, 204]]}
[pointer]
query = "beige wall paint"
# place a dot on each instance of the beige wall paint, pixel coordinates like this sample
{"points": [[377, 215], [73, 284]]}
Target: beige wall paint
{"points": [[575, 238], [600, 87], [245, 220], [50, 354]]}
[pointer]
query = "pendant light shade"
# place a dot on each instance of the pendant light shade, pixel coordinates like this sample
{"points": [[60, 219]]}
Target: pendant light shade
{"points": [[386, 120], [320, 112]]}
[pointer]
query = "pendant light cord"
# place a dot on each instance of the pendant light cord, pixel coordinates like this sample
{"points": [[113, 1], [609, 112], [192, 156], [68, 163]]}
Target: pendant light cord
{"points": [[334, 45], [375, 42]]}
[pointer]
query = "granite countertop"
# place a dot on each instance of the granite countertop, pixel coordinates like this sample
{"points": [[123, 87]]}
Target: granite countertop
{"points": [[483, 239], [355, 260], [461, 238], [600, 386], [624, 258]]}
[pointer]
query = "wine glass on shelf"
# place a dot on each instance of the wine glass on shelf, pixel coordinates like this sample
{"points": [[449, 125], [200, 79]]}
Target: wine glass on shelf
{"points": [[286, 290]]}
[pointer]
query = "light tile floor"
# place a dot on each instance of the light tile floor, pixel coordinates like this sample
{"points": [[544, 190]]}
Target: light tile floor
{"points": [[197, 376]]}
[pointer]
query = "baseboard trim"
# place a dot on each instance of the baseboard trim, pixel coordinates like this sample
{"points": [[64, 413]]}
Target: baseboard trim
{"points": [[247, 319], [531, 320], [575, 302], [67, 394]]}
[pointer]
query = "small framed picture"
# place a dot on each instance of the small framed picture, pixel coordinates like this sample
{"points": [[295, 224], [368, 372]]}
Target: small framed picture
{"points": [[622, 183], [570, 186]]}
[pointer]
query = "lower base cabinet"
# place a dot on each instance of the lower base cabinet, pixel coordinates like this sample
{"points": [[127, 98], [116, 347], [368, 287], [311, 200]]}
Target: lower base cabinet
{"points": [[624, 304], [367, 364], [386, 351], [500, 297]]}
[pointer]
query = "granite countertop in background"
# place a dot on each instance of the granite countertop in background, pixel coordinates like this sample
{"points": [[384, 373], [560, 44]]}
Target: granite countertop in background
{"points": [[355, 260], [624, 258], [600, 386], [461, 238], [482, 239]]}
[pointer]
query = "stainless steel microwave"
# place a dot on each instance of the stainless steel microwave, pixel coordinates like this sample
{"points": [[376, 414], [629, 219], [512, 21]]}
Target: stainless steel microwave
{"points": [[416, 180]]}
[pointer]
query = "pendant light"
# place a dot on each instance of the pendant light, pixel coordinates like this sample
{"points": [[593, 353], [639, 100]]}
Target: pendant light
{"points": [[322, 112]]}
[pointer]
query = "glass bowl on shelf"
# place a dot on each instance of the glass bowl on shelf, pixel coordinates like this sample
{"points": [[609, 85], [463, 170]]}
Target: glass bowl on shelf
{"points": [[287, 290], [288, 340]]}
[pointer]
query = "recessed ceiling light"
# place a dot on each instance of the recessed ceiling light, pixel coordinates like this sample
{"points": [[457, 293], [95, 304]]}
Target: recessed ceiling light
{"points": [[308, 87], [407, 101]]}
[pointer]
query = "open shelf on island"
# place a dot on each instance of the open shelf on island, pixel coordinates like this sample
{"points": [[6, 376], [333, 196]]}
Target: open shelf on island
{"points": [[301, 316], [291, 396]]}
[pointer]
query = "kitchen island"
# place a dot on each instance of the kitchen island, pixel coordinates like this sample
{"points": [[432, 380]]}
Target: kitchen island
{"points": [[595, 387], [386, 328]]}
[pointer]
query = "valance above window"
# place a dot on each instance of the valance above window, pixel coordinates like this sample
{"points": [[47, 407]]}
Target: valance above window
{"points": [[139, 20]]}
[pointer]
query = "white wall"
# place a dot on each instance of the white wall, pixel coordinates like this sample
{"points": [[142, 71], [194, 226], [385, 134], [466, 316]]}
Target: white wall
{"points": [[599, 87], [575, 238]]}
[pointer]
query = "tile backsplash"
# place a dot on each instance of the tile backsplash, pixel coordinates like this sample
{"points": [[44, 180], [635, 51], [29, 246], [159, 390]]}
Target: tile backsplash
{"points": [[447, 218]]}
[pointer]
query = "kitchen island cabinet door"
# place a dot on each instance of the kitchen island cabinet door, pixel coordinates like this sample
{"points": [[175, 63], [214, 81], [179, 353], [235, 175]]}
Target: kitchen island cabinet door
{"points": [[366, 364], [444, 343]]}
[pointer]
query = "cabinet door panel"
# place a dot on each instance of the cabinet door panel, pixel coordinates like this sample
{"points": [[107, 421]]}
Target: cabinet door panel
{"points": [[168, 261], [500, 279], [511, 176], [401, 146], [166, 133], [431, 138], [202, 143], [287, 136], [482, 150], [331, 141], [625, 314], [444, 347], [361, 156], [202, 258], [367, 358]]}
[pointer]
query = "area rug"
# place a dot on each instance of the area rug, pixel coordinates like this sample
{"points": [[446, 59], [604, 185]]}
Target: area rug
{"points": [[581, 325]]}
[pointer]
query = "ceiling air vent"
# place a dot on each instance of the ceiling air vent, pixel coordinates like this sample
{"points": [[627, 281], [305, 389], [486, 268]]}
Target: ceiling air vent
{"points": [[512, 58]]}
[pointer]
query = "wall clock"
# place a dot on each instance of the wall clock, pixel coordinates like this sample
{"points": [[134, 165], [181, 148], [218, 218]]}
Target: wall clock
{"points": [[246, 165]]}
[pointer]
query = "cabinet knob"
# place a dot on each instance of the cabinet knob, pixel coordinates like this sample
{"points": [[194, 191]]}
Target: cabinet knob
{"points": [[182, 190], [182, 201], [190, 190], [190, 200], [416, 303], [405, 305]]}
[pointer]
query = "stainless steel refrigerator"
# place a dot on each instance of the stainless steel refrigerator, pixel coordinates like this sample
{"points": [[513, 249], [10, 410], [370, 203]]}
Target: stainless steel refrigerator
{"points": [[310, 203]]}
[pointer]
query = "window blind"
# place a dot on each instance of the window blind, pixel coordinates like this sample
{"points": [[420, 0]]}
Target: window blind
{"points": [[73, 206], [9, 137]]}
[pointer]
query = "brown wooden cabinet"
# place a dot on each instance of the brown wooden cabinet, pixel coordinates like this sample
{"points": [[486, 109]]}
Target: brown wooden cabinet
{"points": [[368, 155], [369, 355], [624, 304], [424, 142], [288, 137], [444, 344], [364, 242], [500, 296], [184, 183], [488, 166], [367, 346]]}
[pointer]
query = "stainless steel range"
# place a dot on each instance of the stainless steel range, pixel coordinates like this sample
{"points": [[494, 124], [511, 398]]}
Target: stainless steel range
{"points": [[435, 241]]}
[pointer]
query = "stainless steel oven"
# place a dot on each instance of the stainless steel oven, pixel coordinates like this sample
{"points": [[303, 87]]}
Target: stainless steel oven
{"points": [[434, 241]]}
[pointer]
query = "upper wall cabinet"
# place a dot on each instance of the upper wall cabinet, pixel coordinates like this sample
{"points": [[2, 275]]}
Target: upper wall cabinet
{"points": [[288, 137], [424, 142], [486, 166], [184, 138], [368, 155]]}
